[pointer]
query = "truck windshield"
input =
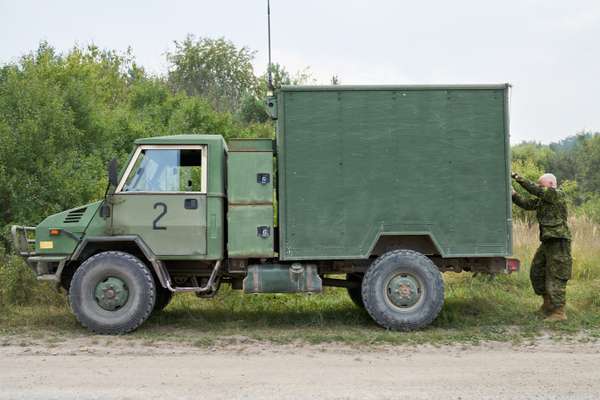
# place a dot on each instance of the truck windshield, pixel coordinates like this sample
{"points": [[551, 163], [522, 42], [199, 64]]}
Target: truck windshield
{"points": [[166, 170]]}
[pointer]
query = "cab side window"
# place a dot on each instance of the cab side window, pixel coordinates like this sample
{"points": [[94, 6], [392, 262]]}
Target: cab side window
{"points": [[166, 170]]}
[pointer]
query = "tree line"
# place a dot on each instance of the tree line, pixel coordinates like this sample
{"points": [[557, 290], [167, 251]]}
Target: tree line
{"points": [[574, 160], [63, 115]]}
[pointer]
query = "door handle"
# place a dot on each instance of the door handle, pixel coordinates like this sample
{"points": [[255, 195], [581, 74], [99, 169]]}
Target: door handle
{"points": [[190, 204]]}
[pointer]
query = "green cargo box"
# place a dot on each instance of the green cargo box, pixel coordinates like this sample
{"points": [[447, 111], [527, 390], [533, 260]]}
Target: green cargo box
{"points": [[358, 164]]}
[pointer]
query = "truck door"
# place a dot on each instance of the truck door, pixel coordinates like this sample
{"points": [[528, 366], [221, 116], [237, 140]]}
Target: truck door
{"points": [[162, 199]]}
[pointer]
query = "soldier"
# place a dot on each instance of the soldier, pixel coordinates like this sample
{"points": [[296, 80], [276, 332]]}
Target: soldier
{"points": [[552, 263]]}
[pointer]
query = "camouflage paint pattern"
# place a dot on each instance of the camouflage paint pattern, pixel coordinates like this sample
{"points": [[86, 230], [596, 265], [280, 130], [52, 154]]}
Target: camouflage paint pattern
{"points": [[551, 270], [550, 206], [552, 264]]}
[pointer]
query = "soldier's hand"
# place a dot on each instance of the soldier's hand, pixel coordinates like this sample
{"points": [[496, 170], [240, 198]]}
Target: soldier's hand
{"points": [[513, 191], [514, 175]]}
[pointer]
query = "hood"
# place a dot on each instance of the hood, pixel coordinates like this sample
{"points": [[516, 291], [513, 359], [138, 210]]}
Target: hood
{"points": [[72, 225]]}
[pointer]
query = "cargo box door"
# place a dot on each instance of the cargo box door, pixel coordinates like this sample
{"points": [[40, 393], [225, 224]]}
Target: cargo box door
{"points": [[250, 219]]}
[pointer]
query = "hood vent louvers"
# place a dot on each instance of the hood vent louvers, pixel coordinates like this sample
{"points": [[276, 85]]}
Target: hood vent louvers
{"points": [[74, 216]]}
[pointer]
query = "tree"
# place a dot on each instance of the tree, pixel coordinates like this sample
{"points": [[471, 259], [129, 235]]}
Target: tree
{"points": [[530, 170], [281, 77], [253, 108], [63, 116], [589, 171], [214, 69], [537, 153]]}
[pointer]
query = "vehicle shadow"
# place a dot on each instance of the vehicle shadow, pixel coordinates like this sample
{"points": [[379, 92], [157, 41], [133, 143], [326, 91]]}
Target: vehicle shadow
{"points": [[463, 313]]}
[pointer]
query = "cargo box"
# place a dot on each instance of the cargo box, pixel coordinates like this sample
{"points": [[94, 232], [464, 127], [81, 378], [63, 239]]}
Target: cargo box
{"points": [[358, 165]]}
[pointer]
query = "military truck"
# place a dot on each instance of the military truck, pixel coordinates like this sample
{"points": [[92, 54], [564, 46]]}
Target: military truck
{"points": [[377, 189]]}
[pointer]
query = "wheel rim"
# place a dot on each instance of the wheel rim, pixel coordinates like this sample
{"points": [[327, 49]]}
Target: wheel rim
{"points": [[112, 293], [404, 290]]}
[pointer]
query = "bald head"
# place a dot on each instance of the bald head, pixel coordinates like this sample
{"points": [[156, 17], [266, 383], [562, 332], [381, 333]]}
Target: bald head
{"points": [[547, 180]]}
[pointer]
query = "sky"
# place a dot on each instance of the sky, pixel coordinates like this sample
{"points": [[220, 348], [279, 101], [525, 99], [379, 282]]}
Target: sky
{"points": [[549, 51]]}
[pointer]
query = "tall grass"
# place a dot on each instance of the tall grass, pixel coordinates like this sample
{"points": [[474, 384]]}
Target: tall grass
{"points": [[585, 245], [477, 307]]}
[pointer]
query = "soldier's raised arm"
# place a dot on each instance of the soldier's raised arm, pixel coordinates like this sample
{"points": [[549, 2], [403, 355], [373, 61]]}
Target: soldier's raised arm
{"points": [[524, 203], [548, 194]]}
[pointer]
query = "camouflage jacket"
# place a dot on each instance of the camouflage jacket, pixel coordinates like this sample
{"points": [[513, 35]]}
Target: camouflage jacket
{"points": [[550, 206]]}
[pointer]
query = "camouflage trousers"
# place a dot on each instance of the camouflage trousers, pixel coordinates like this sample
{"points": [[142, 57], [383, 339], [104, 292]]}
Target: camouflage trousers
{"points": [[551, 269]]}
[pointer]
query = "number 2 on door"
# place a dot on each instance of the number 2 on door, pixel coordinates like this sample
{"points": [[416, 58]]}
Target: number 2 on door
{"points": [[162, 214]]}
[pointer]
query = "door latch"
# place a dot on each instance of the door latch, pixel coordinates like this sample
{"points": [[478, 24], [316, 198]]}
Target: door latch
{"points": [[263, 231], [263, 178]]}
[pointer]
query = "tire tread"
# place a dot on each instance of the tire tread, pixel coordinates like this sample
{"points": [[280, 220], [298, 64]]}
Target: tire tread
{"points": [[132, 324], [385, 319]]}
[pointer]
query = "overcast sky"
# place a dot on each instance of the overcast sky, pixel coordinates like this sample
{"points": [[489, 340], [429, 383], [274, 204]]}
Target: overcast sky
{"points": [[548, 50]]}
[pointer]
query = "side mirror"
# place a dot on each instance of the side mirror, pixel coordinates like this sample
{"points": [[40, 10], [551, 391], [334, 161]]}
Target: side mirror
{"points": [[113, 174]]}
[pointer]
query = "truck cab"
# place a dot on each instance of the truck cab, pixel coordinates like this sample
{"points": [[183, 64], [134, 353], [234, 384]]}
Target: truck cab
{"points": [[172, 194]]}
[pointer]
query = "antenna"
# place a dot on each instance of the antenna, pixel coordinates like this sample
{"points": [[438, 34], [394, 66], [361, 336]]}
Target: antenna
{"points": [[270, 77]]}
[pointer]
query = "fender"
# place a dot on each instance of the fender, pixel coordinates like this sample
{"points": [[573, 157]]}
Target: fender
{"points": [[157, 265]]}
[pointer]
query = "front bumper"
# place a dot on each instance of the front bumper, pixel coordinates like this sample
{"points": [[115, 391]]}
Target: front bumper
{"points": [[23, 239], [46, 268]]}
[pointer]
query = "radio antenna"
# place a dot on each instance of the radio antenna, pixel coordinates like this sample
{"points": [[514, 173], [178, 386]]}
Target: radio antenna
{"points": [[270, 76]]}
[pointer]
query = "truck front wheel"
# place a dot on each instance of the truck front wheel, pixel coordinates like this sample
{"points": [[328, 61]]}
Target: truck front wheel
{"points": [[403, 290], [112, 293]]}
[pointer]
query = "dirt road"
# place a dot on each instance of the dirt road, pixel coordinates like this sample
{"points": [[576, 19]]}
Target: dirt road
{"points": [[100, 368]]}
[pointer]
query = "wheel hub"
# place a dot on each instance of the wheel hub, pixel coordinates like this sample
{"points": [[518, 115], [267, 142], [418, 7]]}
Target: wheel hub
{"points": [[111, 293], [403, 290]]}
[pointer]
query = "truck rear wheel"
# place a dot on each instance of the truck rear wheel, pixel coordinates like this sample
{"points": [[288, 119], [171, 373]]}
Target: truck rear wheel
{"points": [[403, 290], [355, 293], [112, 293]]}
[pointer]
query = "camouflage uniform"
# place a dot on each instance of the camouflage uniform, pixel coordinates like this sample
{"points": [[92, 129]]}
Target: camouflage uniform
{"points": [[552, 263]]}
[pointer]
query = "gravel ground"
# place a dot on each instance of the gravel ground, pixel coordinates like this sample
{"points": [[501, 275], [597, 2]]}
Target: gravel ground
{"points": [[239, 368]]}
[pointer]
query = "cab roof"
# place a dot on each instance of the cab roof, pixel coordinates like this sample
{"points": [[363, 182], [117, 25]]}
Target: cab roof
{"points": [[183, 139]]}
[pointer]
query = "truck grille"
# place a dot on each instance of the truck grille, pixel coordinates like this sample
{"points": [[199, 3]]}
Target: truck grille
{"points": [[74, 216]]}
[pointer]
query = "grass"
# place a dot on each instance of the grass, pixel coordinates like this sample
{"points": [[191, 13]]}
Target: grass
{"points": [[477, 308]]}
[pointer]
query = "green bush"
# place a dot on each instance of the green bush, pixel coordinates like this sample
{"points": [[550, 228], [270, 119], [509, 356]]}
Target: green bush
{"points": [[590, 208], [18, 285], [16, 282]]}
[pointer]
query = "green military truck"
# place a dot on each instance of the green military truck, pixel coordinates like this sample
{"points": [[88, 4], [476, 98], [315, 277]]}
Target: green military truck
{"points": [[377, 189]]}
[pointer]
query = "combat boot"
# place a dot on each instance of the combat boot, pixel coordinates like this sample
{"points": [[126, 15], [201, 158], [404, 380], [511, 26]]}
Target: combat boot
{"points": [[558, 314], [547, 307]]}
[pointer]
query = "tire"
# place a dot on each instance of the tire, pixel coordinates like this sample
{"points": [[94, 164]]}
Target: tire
{"points": [[163, 298], [135, 288], [356, 293], [403, 290]]}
